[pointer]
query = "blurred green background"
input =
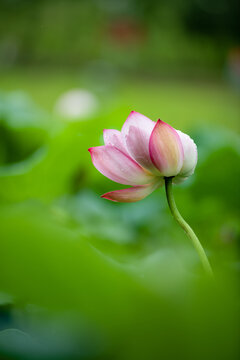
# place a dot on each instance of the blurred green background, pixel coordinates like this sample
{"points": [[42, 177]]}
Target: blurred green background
{"points": [[84, 278]]}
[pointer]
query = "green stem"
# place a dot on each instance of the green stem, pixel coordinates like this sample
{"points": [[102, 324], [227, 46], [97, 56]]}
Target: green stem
{"points": [[188, 230]]}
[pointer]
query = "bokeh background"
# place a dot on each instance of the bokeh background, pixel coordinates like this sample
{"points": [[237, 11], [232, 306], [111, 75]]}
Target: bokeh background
{"points": [[84, 278]]}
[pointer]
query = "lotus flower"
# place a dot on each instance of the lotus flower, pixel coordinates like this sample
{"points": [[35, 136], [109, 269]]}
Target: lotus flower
{"points": [[142, 154]]}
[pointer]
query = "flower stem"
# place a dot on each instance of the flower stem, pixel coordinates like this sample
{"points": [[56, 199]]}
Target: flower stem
{"points": [[188, 230]]}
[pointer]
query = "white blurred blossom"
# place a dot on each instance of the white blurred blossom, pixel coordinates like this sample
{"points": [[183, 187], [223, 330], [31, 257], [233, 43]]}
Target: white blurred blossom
{"points": [[76, 104]]}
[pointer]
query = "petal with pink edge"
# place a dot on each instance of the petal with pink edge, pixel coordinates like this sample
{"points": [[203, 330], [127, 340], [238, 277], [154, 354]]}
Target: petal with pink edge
{"points": [[117, 166], [114, 138], [190, 154], [166, 150], [132, 194], [136, 132]]}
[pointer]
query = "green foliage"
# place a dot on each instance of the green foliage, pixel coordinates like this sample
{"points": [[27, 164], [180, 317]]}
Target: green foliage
{"points": [[83, 278], [160, 35]]}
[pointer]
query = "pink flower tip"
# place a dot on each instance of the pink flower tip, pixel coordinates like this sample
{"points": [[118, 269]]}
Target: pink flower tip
{"points": [[133, 112], [159, 121], [105, 196]]}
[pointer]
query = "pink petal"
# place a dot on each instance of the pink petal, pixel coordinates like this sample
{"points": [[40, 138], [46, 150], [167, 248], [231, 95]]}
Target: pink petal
{"points": [[166, 149], [114, 138], [132, 194], [190, 154], [118, 166], [136, 132]]}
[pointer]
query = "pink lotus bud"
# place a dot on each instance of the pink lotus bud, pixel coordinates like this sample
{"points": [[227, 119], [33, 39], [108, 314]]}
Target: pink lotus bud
{"points": [[142, 154]]}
